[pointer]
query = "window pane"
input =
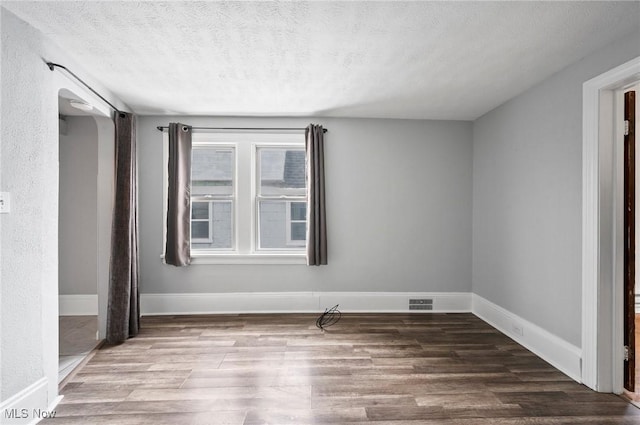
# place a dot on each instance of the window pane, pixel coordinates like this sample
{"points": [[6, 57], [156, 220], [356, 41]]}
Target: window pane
{"points": [[211, 171], [276, 229], [200, 210], [199, 230], [298, 231], [298, 211], [282, 171], [221, 224], [273, 224]]}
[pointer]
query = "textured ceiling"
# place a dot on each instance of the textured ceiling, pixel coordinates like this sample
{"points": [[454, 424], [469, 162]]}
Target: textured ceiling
{"points": [[438, 60]]}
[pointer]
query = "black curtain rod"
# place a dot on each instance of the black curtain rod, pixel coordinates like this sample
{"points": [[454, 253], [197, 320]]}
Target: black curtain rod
{"points": [[162, 127], [52, 66]]}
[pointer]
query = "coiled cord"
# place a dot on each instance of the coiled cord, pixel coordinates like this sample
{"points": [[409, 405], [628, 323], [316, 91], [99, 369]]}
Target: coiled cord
{"points": [[329, 317]]}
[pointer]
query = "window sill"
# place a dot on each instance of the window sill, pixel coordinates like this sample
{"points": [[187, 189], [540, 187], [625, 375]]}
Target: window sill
{"points": [[267, 258]]}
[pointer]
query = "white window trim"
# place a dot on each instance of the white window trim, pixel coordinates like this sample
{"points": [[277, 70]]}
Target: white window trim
{"points": [[202, 142], [255, 173], [258, 258], [244, 244]]}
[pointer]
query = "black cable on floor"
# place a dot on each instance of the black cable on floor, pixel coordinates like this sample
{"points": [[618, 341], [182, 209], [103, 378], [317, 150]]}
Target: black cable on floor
{"points": [[329, 317]]}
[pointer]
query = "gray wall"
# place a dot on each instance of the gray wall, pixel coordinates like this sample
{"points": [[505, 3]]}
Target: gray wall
{"points": [[78, 215], [28, 243], [29, 234], [527, 194], [399, 211], [425, 246]]}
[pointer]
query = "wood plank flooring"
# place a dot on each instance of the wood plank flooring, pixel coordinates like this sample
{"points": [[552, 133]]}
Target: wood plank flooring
{"points": [[449, 369], [76, 339]]}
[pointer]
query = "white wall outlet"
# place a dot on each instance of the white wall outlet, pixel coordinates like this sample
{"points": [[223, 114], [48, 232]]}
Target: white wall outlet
{"points": [[5, 202]]}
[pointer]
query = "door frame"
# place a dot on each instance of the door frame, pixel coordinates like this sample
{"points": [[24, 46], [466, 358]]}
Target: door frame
{"points": [[602, 286]]}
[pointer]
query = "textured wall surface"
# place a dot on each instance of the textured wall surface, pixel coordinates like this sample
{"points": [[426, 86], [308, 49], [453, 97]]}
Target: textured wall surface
{"points": [[29, 234], [28, 240], [527, 194], [398, 207], [425, 59], [78, 215]]}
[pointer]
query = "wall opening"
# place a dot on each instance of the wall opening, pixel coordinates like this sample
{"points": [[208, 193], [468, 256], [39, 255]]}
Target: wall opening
{"points": [[86, 163]]}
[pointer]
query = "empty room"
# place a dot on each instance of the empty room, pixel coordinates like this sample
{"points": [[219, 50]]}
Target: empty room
{"points": [[319, 212]]}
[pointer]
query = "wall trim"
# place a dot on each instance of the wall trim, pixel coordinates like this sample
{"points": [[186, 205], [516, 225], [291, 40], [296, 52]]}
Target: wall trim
{"points": [[26, 407], [601, 295], [559, 353], [299, 302], [78, 305]]}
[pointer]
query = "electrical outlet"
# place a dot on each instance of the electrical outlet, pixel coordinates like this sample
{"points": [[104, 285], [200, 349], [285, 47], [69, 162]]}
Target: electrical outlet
{"points": [[517, 329], [5, 202]]}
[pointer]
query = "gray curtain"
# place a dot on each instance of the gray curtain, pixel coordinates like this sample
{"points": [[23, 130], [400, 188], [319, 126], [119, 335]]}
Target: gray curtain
{"points": [[123, 313], [316, 215], [178, 248]]}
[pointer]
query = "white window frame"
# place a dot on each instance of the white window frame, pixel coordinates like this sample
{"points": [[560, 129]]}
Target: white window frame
{"points": [[292, 246], [244, 209], [203, 142]]}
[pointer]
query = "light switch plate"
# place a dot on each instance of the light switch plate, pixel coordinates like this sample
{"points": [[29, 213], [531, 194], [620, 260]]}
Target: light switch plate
{"points": [[5, 202]]}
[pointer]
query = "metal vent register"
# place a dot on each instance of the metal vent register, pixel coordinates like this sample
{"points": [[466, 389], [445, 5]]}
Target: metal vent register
{"points": [[421, 304]]}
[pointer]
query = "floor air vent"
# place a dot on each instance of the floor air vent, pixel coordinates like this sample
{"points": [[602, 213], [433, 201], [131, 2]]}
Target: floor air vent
{"points": [[421, 304]]}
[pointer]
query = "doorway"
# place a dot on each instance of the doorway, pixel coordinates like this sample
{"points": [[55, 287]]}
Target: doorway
{"points": [[602, 231], [86, 163]]}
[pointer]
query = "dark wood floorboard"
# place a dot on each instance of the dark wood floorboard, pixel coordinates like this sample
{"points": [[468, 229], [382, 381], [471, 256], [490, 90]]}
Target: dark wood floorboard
{"points": [[444, 369]]}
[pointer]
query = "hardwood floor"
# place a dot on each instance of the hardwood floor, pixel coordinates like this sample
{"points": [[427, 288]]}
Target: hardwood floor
{"points": [[450, 369], [76, 339]]}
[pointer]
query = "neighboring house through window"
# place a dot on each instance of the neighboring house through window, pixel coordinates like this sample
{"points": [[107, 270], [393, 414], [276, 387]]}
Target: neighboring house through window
{"points": [[212, 197], [280, 197], [296, 223]]}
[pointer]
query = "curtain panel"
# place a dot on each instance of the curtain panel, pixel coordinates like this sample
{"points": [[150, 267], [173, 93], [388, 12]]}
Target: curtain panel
{"points": [[178, 247], [316, 210], [123, 311]]}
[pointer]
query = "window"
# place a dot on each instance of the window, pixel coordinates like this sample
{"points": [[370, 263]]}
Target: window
{"points": [[212, 197], [248, 198], [280, 200]]}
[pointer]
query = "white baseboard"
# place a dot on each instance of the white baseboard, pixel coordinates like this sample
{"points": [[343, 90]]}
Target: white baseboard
{"points": [[78, 305], [29, 406], [637, 303], [559, 353], [300, 302]]}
